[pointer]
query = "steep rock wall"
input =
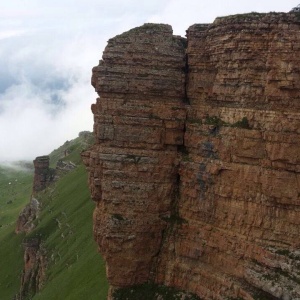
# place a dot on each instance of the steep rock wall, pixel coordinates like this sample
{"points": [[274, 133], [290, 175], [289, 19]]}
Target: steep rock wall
{"points": [[239, 188], [34, 273], [26, 218], [195, 171], [139, 122], [35, 262], [43, 175]]}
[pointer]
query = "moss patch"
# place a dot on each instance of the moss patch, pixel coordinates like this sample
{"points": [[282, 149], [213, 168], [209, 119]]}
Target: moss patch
{"points": [[152, 292], [218, 122]]}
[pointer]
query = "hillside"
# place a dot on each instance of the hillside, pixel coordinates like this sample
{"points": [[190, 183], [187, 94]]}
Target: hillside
{"points": [[15, 190], [72, 267]]}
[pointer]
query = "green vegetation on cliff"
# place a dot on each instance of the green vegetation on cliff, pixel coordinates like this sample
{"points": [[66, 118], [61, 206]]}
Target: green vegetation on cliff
{"points": [[152, 291]]}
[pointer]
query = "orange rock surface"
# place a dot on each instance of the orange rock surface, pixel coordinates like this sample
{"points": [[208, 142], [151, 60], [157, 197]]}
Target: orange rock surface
{"points": [[34, 272], [43, 175], [196, 167]]}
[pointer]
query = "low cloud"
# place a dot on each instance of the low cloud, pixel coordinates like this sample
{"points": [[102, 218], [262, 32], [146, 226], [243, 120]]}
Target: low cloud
{"points": [[46, 99], [46, 58], [31, 124], [47, 53]]}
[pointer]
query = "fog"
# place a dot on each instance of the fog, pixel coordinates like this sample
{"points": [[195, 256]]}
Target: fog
{"points": [[48, 49]]}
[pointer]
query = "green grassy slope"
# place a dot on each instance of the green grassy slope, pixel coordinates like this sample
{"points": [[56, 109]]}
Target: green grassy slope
{"points": [[75, 269], [72, 148], [15, 191]]}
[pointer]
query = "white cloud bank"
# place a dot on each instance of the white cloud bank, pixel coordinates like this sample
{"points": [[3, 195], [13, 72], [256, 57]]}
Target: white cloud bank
{"points": [[49, 47], [49, 96]]}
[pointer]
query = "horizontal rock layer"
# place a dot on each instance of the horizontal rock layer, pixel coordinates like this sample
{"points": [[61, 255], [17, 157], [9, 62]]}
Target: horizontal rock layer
{"points": [[195, 171], [43, 175], [139, 122], [34, 272]]}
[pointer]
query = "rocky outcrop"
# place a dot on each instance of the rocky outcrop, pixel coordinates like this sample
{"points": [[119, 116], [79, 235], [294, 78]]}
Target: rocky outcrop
{"points": [[63, 167], [43, 174], [25, 221], [139, 123], [34, 273], [195, 169], [239, 190]]}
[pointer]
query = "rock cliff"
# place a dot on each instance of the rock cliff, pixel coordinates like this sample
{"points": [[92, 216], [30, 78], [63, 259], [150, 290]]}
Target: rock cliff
{"points": [[35, 262], [43, 175], [196, 167], [26, 218], [34, 273]]}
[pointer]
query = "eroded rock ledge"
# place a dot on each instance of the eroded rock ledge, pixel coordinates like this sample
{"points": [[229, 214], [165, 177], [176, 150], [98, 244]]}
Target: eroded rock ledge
{"points": [[195, 169]]}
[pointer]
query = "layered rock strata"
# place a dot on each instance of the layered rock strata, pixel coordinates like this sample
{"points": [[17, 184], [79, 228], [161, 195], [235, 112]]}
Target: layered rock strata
{"points": [[239, 189], [34, 273], [43, 174], [195, 170], [139, 123]]}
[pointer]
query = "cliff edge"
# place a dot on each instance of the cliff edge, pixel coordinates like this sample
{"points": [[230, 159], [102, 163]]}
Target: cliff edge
{"points": [[195, 169]]}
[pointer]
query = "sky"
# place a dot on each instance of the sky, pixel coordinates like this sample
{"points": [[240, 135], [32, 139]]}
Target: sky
{"points": [[47, 51]]}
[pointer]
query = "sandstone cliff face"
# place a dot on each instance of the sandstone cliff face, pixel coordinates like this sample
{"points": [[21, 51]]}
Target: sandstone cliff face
{"points": [[195, 171], [133, 166], [27, 216], [43, 175], [239, 186], [34, 273]]}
